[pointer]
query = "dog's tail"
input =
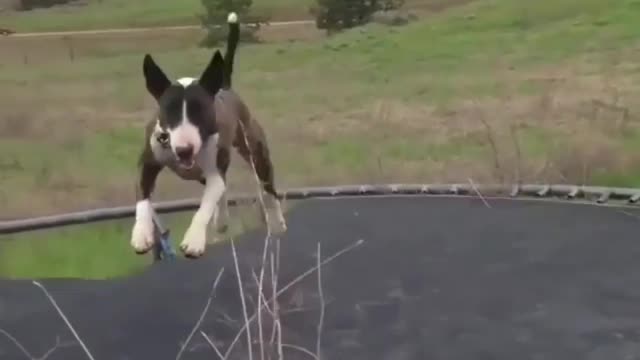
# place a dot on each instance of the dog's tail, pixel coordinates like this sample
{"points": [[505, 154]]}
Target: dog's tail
{"points": [[232, 43]]}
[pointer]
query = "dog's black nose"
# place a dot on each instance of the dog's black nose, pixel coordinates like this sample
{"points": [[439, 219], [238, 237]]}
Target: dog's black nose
{"points": [[184, 152]]}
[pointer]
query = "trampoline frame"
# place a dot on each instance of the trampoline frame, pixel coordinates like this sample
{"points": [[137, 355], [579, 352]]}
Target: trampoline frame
{"points": [[599, 195]]}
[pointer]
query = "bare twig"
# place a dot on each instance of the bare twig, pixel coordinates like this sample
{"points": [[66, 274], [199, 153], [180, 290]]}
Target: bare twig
{"points": [[28, 355], [302, 309], [264, 251], [262, 300], [276, 305], [260, 332], [17, 344], [494, 148], [475, 188], [544, 170], [64, 318], [322, 263], [261, 296], [274, 288], [279, 347], [585, 170], [55, 347], [321, 296], [516, 145], [629, 214], [260, 281], [213, 346], [292, 283], [244, 304], [301, 349], [202, 314]]}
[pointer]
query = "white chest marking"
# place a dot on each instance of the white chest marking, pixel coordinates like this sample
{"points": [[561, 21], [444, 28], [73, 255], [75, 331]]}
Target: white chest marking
{"points": [[194, 241], [186, 81]]}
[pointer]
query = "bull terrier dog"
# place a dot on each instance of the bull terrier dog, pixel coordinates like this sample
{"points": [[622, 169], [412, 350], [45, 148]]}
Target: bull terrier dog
{"points": [[197, 122]]}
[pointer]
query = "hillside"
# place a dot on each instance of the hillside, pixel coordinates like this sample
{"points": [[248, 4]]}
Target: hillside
{"points": [[492, 91]]}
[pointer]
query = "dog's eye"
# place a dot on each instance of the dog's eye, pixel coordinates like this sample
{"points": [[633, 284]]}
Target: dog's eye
{"points": [[163, 138]]}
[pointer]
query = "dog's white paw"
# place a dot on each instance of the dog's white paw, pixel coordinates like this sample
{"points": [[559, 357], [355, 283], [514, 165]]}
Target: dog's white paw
{"points": [[217, 238], [275, 220], [195, 241], [281, 225], [222, 226], [142, 236]]}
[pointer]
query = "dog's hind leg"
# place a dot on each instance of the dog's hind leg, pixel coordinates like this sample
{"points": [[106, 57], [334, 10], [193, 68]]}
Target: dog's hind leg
{"points": [[264, 170], [220, 221]]}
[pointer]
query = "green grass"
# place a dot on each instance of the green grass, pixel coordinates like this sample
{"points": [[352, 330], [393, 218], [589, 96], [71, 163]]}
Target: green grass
{"points": [[322, 98], [87, 251], [113, 147], [94, 251], [139, 13]]}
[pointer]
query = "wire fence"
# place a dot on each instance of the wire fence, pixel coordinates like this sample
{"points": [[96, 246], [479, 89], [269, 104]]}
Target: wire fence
{"points": [[598, 195]]}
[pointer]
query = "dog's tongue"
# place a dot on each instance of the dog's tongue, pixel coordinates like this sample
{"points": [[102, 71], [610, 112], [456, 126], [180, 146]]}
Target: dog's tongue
{"points": [[187, 164]]}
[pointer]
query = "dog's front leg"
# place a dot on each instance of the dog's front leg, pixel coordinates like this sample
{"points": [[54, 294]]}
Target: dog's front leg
{"points": [[142, 235], [215, 169], [220, 225]]}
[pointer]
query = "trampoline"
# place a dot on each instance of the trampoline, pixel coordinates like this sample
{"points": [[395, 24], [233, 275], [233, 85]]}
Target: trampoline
{"points": [[406, 276]]}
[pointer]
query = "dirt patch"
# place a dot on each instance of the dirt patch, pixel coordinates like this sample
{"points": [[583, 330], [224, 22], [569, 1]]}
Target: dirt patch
{"points": [[28, 5], [435, 5], [9, 5]]}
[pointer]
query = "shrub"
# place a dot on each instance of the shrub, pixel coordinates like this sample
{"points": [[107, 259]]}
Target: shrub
{"points": [[336, 15]]}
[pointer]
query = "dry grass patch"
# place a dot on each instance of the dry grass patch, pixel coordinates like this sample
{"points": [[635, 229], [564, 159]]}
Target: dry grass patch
{"points": [[345, 125]]}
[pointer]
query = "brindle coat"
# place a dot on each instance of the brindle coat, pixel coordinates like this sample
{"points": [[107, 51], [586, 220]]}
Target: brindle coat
{"points": [[226, 128]]}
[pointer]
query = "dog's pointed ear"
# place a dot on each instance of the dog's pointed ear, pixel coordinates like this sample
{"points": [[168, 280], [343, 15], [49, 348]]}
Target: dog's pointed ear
{"points": [[157, 82], [213, 76]]}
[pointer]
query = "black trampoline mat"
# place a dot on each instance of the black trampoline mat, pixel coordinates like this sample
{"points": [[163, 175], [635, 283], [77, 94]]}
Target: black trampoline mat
{"points": [[435, 278]]}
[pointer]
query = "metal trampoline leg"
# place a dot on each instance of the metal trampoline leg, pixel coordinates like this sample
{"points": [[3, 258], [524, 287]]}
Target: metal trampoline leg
{"points": [[162, 248]]}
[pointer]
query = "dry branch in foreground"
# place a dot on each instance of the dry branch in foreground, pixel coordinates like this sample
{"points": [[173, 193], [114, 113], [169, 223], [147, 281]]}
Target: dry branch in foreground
{"points": [[202, 314], [64, 318]]}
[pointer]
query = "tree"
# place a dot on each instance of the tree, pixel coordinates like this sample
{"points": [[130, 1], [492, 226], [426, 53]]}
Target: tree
{"points": [[214, 20], [336, 15]]}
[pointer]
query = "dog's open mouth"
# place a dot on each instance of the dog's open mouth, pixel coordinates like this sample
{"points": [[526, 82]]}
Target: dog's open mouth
{"points": [[187, 163], [185, 156]]}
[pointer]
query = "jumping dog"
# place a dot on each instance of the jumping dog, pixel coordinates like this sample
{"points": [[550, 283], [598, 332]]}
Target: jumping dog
{"points": [[196, 124]]}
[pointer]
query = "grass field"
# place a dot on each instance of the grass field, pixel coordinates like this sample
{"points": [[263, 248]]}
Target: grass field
{"points": [[493, 90], [97, 251]]}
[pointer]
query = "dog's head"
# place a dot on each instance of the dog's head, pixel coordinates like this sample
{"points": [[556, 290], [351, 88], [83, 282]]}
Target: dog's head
{"points": [[185, 107]]}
